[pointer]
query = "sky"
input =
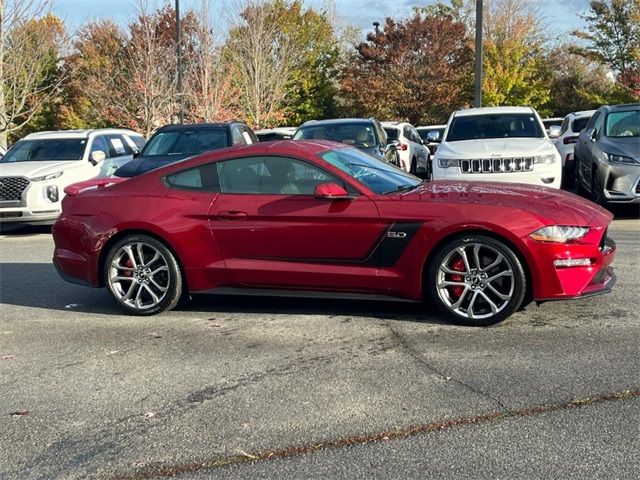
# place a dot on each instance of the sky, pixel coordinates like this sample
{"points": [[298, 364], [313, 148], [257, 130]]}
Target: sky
{"points": [[561, 16]]}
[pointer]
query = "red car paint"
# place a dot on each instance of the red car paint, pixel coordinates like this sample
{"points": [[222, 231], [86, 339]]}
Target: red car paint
{"points": [[301, 242]]}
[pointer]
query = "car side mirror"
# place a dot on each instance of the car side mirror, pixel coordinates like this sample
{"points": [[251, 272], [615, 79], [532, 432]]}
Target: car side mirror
{"points": [[136, 153], [554, 131], [331, 191], [97, 157], [433, 137]]}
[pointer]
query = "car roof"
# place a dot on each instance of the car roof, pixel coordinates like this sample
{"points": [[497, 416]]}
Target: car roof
{"points": [[195, 126], [624, 106], [492, 111], [582, 113], [53, 134], [336, 121], [424, 127]]}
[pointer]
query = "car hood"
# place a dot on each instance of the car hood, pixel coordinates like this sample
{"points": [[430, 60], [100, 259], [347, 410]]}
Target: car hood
{"points": [[552, 206], [141, 165], [37, 169], [498, 147], [627, 146]]}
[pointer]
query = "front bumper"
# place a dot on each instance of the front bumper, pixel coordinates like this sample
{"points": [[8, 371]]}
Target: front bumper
{"points": [[557, 283], [621, 183], [44, 216], [543, 175]]}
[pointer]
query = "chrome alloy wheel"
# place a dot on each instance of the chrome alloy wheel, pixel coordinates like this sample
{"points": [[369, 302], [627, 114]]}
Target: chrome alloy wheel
{"points": [[475, 281], [139, 275]]}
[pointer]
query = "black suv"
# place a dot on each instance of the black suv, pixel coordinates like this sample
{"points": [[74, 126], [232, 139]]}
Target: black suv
{"points": [[172, 143], [365, 134]]}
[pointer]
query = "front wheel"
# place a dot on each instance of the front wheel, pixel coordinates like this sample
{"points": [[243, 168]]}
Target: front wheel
{"points": [[142, 275], [476, 280]]}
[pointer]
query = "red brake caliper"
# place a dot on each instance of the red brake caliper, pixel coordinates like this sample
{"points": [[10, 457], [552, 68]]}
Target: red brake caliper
{"points": [[128, 264], [458, 266]]}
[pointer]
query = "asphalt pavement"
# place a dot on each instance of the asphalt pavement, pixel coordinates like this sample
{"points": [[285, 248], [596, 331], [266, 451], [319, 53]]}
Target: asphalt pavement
{"points": [[254, 387]]}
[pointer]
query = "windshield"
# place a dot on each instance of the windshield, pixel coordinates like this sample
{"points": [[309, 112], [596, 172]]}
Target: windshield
{"points": [[359, 135], [379, 176], [504, 125], [189, 142], [45, 150], [623, 124]]}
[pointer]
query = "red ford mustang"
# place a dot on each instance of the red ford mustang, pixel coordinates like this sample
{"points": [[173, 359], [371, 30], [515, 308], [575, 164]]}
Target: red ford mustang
{"points": [[317, 216]]}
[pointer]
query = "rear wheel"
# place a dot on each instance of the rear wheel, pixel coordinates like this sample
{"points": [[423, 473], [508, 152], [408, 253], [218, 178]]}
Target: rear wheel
{"points": [[413, 168], [476, 280], [142, 275]]}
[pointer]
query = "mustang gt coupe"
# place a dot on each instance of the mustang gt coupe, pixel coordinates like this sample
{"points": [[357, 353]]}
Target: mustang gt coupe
{"points": [[318, 216]]}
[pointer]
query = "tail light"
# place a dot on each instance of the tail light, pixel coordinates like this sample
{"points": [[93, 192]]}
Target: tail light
{"points": [[570, 140], [404, 146]]}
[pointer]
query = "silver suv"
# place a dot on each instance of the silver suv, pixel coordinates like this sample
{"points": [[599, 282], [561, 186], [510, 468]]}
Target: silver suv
{"points": [[607, 155]]}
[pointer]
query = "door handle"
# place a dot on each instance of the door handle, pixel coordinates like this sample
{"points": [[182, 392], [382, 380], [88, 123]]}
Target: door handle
{"points": [[232, 215]]}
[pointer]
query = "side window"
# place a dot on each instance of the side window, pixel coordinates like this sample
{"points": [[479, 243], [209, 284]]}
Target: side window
{"points": [[271, 176], [100, 143], [406, 133], [415, 136], [564, 126], [236, 136], [593, 120], [118, 146], [203, 178], [597, 126], [138, 140]]}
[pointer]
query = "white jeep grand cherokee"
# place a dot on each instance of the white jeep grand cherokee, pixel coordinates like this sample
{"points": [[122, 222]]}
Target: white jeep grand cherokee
{"points": [[503, 144], [36, 169]]}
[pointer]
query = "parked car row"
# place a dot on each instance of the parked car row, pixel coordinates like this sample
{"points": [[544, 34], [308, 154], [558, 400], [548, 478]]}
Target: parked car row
{"points": [[497, 144]]}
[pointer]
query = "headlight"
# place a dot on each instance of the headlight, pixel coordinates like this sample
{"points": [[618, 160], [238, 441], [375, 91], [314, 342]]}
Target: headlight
{"points": [[545, 159], [448, 162], [621, 159], [559, 234], [51, 176]]}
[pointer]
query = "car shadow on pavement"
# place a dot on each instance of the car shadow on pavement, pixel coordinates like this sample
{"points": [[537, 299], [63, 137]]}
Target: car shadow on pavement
{"points": [[37, 285]]}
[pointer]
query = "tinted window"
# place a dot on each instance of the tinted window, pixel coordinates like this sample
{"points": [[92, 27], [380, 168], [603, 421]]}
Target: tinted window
{"points": [[176, 142], [359, 135], [45, 150], [580, 124], [392, 133], [515, 125], [204, 177], [100, 144], [623, 124], [138, 140], [271, 176], [118, 146], [593, 120], [565, 125]]}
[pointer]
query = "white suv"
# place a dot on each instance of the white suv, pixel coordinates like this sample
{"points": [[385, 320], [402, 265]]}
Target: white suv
{"points": [[567, 137], [413, 155], [500, 144], [36, 169]]}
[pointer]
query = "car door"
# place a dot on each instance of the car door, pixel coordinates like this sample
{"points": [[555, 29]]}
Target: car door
{"points": [[273, 232]]}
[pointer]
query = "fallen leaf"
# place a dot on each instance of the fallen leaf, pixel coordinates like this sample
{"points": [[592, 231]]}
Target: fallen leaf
{"points": [[447, 378], [139, 464], [245, 424], [154, 335], [149, 414], [7, 357], [71, 305], [20, 413], [242, 452], [111, 352]]}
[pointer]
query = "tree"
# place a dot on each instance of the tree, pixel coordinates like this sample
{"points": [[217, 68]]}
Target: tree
{"points": [[93, 77], [515, 68], [262, 58], [414, 69], [208, 83], [29, 57], [613, 38]]}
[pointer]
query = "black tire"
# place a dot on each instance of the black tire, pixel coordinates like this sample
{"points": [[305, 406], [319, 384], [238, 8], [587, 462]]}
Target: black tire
{"points": [[580, 190], [413, 169], [476, 283], [166, 279], [597, 190]]}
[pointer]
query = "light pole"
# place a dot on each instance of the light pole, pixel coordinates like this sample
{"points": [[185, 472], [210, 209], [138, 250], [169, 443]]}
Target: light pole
{"points": [[376, 25], [179, 55], [478, 78]]}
